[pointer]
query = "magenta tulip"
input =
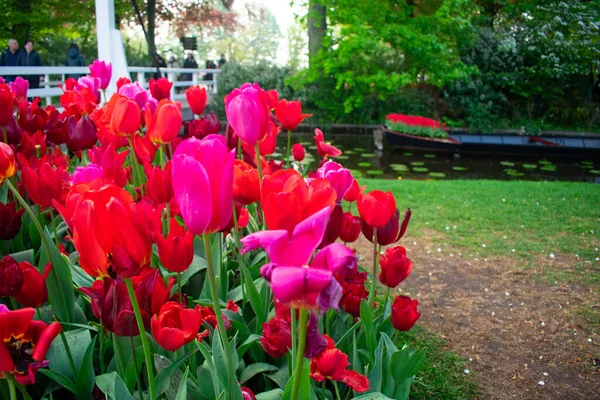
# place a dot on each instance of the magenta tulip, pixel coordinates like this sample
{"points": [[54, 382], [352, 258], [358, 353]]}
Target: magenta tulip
{"points": [[341, 179], [248, 112], [87, 174], [99, 69], [19, 87], [292, 282], [202, 175]]}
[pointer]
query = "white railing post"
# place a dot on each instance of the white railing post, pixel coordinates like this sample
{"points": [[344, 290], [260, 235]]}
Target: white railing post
{"points": [[215, 83], [141, 79], [47, 86], [194, 78], [171, 78]]}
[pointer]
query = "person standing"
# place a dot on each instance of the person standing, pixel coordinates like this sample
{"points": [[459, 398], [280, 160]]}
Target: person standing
{"points": [[189, 62], [74, 59], [30, 58], [222, 60], [9, 57]]}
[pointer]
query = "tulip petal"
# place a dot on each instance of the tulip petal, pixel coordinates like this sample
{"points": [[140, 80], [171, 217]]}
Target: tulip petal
{"points": [[336, 257], [293, 283], [274, 242], [192, 192], [171, 339], [306, 237]]}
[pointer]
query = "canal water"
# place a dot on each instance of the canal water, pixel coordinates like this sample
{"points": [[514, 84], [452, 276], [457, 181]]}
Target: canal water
{"points": [[361, 156]]}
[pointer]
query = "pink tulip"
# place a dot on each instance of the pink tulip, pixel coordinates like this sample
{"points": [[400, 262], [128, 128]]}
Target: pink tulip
{"points": [[19, 87], [339, 177], [248, 112], [87, 174], [141, 96], [99, 69], [91, 83], [202, 175], [293, 283]]}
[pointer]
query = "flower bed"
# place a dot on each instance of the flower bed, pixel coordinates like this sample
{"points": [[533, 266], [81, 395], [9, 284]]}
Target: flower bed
{"points": [[227, 260], [415, 125]]}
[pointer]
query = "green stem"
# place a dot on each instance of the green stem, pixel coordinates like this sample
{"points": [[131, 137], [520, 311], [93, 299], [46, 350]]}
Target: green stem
{"points": [[210, 272], [135, 368], [5, 134], [11, 386], [137, 174], [374, 276], [293, 323], [337, 392], [145, 345], [119, 355], [289, 145], [260, 177], [102, 349], [37, 225], [302, 328], [179, 288], [161, 156], [238, 246]]}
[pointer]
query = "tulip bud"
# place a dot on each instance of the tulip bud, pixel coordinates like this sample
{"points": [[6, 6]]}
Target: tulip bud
{"points": [[248, 112], [404, 313], [376, 208], [34, 292], [8, 166], [160, 88], [126, 118], [10, 221], [6, 108], [99, 69], [11, 277], [196, 98], [289, 114], [81, 134], [390, 232], [395, 266], [166, 122], [350, 228], [298, 152]]}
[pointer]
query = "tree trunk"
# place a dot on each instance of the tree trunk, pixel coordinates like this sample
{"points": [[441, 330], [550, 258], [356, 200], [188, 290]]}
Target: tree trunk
{"points": [[317, 26], [151, 16]]}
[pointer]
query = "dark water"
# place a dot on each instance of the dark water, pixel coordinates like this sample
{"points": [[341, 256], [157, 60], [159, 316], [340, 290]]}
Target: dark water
{"points": [[361, 156]]}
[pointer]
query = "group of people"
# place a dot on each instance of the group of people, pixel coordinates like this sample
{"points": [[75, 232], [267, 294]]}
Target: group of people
{"points": [[190, 62], [12, 56]]}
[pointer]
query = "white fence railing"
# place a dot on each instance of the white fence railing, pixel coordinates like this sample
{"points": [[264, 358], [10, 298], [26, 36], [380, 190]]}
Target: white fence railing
{"points": [[182, 78]]}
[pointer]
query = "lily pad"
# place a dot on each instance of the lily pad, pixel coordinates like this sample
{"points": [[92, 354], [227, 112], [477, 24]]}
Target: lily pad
{"points": [[544, 162], [365, 164], [510, 170], [348, 152], [357, 173], [429, 155], [399, 167], [595, 171], [407, 154], [507, 163], [550, 168], [359, 149], [375, 172], [313, 147], [437, 174], [342, 157], [515, 173], [586, 163], [369, 155], [306, 143], [459, 168], [587, 166], [420, 169], [417, 163], [529, 166]]}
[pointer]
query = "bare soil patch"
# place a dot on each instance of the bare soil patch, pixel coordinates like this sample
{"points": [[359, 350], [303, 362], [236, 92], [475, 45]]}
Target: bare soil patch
{"points": [[523, 337]]}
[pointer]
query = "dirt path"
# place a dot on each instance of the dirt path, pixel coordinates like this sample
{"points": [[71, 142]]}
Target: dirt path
{"points": [[522, 336]]}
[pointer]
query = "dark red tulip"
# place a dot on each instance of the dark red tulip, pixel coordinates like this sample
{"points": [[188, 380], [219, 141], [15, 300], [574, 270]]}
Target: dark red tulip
{"points": [[10, 221], [33, 293], [151, 290], [390, 232], [350, 228], [334, 226], [276, 337], [206, 125], [176, 251], [11, 277], [395, 266], [404, 313], [81, 134], [7, 107]]}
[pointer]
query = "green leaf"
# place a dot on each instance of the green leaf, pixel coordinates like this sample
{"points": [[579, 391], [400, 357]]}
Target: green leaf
{"points": [[366, 316], [274, 394], [280, 377], [372, 396], [163, 378], [78, 341], [219, 359], [208, 385], [254, 369], [61, 379], [59, 282], [305, 388], [113, 387], [256, 301], [26, 255], [85, 378], [375, 376], [182, 392], [247, 344], [79, 276]]}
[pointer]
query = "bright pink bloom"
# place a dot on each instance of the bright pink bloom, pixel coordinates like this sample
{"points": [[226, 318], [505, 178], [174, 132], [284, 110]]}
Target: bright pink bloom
{"points": [[19, 87], [341, 179], [87, 174], [291, 281], [248, 112], [325, 149], [203, 183], [103, 71]]}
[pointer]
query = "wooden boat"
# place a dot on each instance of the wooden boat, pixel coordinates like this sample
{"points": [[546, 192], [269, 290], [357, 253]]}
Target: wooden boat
{"points": [[500, 144]]}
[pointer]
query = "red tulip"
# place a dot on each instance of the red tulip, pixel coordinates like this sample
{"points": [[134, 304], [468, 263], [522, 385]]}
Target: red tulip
{"points": [[332, 364], [325, 149], [272, 98], [210, 318], [287, 199], [81, 134], [196, 98], [164, 125], [126, 117], [350, 228], [32, 144], [267, 146], [111, 162], [24, 343], [151, 290], [159, 184], [176, 251], [122, 81], [289, 114], [376, 208], [404, 313], [175, 326], [298, 152], [43, 185], [334, 226], [144, 149], [33, 118], [33, 293], [353, 291], [10, 221], [160, 88], [246, 185], [395, 266], [13, 132], [390, 232], [206, 125], [11, 277], [276, 337], [7, 108], [247, 394], [8, 166]]}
